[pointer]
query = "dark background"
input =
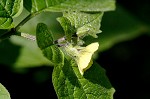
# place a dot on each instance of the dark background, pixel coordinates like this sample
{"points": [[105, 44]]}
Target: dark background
{"points": [[128, 68], [127, 64]]}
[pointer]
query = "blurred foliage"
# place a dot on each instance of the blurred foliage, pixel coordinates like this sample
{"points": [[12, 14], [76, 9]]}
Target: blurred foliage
{"points": [[118, 26], [17, 52]]}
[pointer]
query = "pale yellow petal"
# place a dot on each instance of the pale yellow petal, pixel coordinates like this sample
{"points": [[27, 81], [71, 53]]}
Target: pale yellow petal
{"points": [[84, 58]]}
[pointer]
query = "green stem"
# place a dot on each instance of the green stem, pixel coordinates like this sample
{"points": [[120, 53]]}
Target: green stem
{"points": [[25, 20], [7, 34], [15, 31]]}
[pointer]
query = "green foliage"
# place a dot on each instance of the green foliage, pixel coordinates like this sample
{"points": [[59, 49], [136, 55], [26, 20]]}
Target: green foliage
{"points": [[68, 28], [45, 42], [69, 5], [67, 80], [80, 19], [4, 94], [42, 33], [9, 10], [85, 23], [69, 83]]}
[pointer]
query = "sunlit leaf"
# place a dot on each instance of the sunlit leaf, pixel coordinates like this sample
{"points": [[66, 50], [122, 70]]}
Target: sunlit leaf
{"points": [[4, 94], [45, 43], [85, 23], [8, 10], [69, 5], [69, 83]]}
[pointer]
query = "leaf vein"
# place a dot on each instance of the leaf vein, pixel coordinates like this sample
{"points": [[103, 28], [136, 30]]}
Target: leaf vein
{"points": [[2, 25], [36, 7], [90, 21], [46, 2], [13, 7]]}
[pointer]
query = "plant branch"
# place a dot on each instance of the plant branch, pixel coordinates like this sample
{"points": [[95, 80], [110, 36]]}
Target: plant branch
{"points": [[25, 20]]}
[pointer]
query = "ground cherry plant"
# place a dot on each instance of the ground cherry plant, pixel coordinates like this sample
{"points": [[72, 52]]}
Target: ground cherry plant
{"points": [[75, 74]]}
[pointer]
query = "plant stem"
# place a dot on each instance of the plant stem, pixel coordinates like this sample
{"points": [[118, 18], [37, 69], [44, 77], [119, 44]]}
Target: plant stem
{"points": [[25, 20]]}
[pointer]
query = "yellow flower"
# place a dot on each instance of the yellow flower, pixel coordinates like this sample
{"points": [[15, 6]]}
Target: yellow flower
{"points": [[84, 58]]}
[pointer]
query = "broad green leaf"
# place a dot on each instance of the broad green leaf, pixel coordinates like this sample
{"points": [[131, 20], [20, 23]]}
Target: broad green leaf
{"points": [[20, 53], [45, 42], [69, 84], [85, 23], [8, 10], [69, 5], [4, 94]]}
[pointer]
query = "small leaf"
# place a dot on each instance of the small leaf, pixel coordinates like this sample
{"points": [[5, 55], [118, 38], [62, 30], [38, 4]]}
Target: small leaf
{"points": [[43, 36], [8, 10], [4, 94], [69, 5], [45, 42], [68, 28], [69, 84], [85, 23]]}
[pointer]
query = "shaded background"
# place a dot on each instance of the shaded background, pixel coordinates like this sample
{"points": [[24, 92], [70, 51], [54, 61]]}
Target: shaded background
{"points": [[124, 53]]}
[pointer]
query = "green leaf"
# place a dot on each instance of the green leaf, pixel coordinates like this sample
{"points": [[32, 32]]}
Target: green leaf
{"points": [[8, 10], [45, 42], [69, 5], [85, 23], [54, 54], [44, 36], [4, 94], [68, 28], [69, 84], [23, 54]]}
